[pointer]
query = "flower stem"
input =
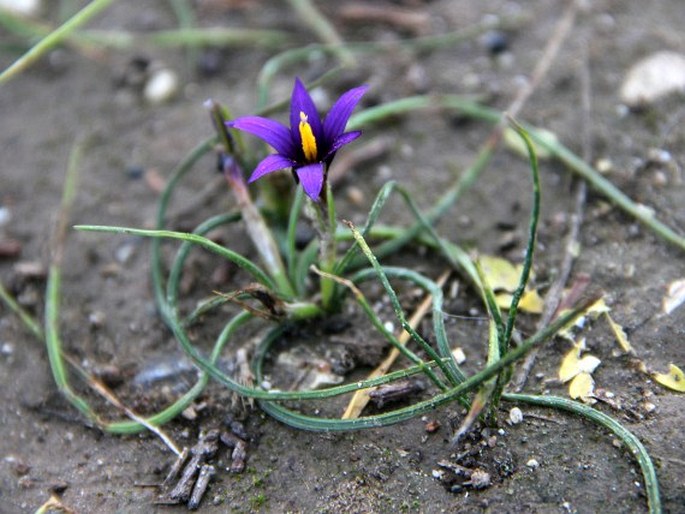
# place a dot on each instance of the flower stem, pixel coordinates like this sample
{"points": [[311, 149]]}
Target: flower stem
{"points": [[326, 226]]}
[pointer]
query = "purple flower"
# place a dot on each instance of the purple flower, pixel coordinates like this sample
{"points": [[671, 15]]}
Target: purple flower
{"points": [[309, 146]]}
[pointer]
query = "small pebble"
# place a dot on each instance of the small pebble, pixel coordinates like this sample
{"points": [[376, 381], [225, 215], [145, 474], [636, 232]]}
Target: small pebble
{"points": [[30, 269], [459, 355], [135, 172], [649, 407], [432, 426], [161, 87], [515, 416], [495, 42], [659, 156], [480, 479], [96, 319], [125, 251], [654, 77], [5, 216], [533, 464], [355, 196], [389, 326], [660, 179], [6, 349], [30, 8], [604, 165]]}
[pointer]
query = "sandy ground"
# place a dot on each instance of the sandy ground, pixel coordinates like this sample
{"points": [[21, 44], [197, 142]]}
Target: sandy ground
{"points": [[108, 316]]}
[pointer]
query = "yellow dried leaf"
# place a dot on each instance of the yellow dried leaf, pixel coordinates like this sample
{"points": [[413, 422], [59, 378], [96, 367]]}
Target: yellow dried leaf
{"points": [[674, 379], [531, 302], [569, 365], [572, 364], [593, 311], [597, 308], [582, 386], [675, 296], [620, 334], [501, 274]]}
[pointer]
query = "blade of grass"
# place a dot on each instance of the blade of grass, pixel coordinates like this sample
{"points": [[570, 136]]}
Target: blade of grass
{"points": [[53, 39], [318, 23], [242, 262], [23, 315], [451, 371]]}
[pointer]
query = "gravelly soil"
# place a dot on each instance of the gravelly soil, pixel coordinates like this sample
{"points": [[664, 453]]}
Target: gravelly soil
{"points": [[581, 468]]}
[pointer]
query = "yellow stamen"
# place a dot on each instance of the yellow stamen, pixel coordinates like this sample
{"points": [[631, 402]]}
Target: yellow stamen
{"points": [[308, 139]]}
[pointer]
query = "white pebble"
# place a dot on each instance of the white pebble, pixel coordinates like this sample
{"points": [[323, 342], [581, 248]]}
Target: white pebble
{"points": [[515, 416], [654, 77], [30, 8], [459, 355], [533, 464], [389, 326], [5, 216], [161, 87]]}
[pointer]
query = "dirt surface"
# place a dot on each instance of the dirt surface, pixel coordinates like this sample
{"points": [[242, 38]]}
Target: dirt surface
{"points": [[108, 317]]}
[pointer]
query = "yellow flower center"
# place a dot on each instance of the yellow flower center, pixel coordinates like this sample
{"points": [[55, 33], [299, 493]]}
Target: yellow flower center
{"points": [[308, 139]]}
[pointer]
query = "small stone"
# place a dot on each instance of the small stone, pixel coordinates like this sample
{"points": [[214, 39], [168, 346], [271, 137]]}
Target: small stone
{"points": [[515, 416], [30, 8], [96, 319], [604, 165], [161, 87], [480, 479], [432, 426], [533, 464], [30, 269], [355, 196], [649, 407], [495, 42], [5, 216], [125, 251], [389, 326], [6, 349], [659, 156], [459, 355], [660, 179], [653, 78]]}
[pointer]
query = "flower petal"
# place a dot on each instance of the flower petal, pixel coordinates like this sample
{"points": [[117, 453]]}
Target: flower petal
{"points": [[302, 102], [270, 164], [311, 177], [340, 113], [271, 131], [341, 141]]}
